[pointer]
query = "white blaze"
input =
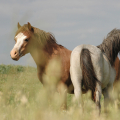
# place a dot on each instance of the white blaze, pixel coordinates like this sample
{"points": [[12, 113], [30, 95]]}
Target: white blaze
{"points": [[19, 40]]}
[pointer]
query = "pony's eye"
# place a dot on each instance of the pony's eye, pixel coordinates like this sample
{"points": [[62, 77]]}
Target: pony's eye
{"points": [[26, 40]]}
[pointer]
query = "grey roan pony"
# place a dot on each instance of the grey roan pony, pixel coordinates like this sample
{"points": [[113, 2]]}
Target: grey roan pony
{"points": [[92, 68]]}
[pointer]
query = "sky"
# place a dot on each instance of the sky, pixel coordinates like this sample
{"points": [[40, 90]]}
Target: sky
{"points": [[73, 22]]}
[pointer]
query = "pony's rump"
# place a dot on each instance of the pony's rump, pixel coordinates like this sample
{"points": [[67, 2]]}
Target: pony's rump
{"points": [[89, 78]]}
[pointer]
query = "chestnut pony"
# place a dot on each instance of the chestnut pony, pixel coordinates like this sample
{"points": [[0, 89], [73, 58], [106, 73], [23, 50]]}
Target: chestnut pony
{"points": [[43, 47]]}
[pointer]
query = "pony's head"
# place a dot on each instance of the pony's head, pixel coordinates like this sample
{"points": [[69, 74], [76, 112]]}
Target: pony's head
{"points": [[28, 39], [23, 41]]}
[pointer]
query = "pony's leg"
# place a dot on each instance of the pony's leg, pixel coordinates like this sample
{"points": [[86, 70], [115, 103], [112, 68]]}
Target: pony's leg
{"points": [[98, 93], [78, 95], [76, 75], [106, 94], [76, 80], [106, 98], [62, 89]]}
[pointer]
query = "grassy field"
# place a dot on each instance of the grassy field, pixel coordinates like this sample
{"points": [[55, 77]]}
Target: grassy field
{"points": [[22, 97]]}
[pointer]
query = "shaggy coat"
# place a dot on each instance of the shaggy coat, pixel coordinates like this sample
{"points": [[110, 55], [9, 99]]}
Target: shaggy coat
{"points": [[92, 68]]}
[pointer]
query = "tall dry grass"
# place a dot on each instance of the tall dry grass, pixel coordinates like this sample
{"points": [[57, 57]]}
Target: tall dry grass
{"points": [[23, 97]]}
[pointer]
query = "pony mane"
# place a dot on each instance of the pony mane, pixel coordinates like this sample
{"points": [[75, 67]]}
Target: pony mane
{"points": [[46, 38], [111, 45]]}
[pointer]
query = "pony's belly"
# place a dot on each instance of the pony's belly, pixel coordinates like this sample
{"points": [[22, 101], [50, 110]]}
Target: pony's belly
{"points": [[105, 83], [106, 72], [108, 76], [109, 79]]}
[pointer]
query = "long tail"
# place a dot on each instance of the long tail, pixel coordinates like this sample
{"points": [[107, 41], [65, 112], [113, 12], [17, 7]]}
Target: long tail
{"points": [[89, 79]]}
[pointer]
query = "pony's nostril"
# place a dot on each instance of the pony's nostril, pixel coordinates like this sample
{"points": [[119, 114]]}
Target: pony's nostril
{"points": [[15, 53]]}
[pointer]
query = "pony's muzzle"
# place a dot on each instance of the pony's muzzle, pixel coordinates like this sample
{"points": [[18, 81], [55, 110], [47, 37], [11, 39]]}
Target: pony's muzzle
{"points": [[14, 54]]}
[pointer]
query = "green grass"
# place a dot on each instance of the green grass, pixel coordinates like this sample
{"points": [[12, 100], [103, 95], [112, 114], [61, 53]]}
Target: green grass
{"points": [[23, 97]]}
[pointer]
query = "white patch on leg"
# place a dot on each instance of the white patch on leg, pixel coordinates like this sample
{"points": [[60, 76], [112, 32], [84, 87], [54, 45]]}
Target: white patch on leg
{"points": [[77, 93], [97, 96], [19, 40]]}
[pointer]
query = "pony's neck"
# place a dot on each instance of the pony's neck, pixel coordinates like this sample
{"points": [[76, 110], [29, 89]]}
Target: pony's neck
{"points": [[52, 49], [45, 47], [41, 56]]}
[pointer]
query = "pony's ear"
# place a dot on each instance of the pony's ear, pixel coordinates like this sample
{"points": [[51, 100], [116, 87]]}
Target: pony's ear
{"points": [[30, 27], [18, 25]]}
